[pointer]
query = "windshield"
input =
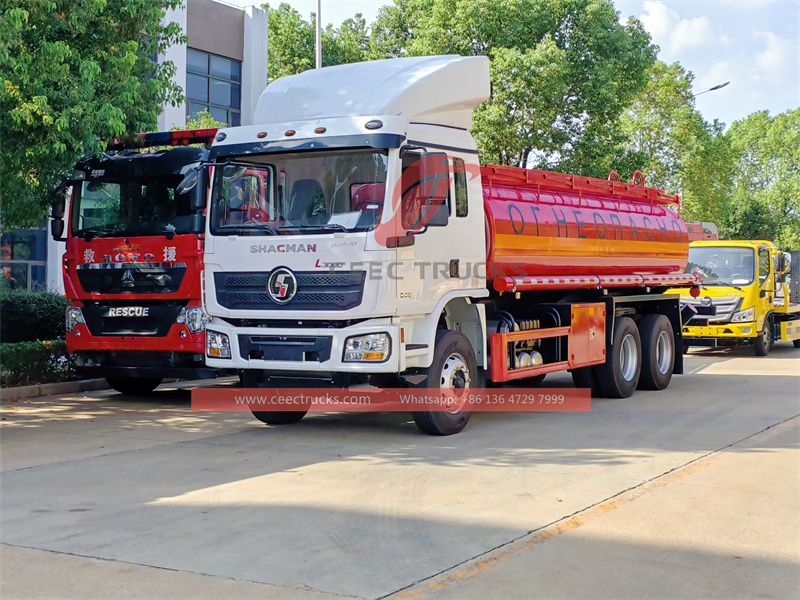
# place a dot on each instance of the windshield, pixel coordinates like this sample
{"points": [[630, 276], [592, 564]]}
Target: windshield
{"points": [[300, 192], [131, 207], [722, 265]]}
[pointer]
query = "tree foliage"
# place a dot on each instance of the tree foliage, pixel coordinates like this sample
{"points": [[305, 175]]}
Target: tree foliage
{"points": [[765, 200], [562, 72], [291, 42], [678, 151], [74, 73]]}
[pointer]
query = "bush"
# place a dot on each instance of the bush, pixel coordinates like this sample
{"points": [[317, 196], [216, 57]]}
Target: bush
{"points": [[27, 317], [29, 363]]}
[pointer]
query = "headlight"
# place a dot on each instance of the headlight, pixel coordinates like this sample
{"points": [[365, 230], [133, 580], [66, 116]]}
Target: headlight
{"points": [[217, 345], [194, 318], [74, 317], [374, 347], [744, 316]]}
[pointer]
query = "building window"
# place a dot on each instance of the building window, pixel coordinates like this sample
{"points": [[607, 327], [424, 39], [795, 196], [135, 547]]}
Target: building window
{"points": [[24, 259], [213, 83]]}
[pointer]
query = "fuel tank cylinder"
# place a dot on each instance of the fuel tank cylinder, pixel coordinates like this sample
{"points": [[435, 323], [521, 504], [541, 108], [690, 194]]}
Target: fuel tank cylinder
{"points": [[551, 224]]}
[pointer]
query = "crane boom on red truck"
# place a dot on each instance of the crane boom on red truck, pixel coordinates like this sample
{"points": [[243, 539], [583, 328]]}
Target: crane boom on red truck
{"points": [[382, 252], [133, 261]]}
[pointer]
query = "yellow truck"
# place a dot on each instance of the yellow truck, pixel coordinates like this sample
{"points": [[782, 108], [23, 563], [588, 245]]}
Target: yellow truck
{"points": [[750, 294]]}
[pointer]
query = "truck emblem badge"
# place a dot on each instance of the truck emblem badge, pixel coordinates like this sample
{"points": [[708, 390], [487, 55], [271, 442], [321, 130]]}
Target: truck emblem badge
{"points": [[281, 286], [705, 301], [127, 279], [149, 257]]}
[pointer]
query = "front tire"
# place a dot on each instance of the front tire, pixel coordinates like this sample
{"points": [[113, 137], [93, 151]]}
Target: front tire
{"points": [[658, 352], [763, 342], [258, 379], [619, 375], [796, 343], [453, 366], [134, 386]]}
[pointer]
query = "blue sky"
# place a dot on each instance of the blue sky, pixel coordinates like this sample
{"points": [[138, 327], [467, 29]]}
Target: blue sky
{"points": [[754, 44]]}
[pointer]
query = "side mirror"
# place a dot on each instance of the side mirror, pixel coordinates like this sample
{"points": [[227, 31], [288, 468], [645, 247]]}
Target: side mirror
{"points": [[426, 186], [197, 200], [57, 229], [189, 181], [197, 223], [783, 263], [58, 200]]}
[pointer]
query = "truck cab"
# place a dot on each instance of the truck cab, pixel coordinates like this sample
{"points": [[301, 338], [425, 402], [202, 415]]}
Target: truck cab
{"points": [[133, 261], [747, 285]]}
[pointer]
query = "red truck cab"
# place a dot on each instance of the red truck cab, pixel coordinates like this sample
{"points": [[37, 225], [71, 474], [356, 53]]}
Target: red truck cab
{"points": [[134, 261]]}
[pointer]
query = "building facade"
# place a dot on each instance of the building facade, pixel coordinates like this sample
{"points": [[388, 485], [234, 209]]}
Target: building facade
{"points": [[222, 68]]}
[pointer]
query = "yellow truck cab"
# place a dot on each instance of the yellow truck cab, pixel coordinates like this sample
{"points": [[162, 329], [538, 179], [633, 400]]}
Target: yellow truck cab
{"points": [[747, 295]]}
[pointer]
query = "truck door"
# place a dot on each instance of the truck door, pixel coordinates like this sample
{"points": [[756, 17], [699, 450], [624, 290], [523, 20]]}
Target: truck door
{"points": [[448, 241], [766, 284]]}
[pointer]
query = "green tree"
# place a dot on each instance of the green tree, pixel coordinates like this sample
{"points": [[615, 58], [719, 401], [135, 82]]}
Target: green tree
{"points": [[675, 148], [291, 42], [74, 72], [563, 71], [765, 202]]}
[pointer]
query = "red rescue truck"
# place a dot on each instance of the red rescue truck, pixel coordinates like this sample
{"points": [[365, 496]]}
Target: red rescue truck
{"points": [[134, 260]]}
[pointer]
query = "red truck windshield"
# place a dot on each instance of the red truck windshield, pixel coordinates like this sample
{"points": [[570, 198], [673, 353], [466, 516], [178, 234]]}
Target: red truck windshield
{"points": [[133, 207]]}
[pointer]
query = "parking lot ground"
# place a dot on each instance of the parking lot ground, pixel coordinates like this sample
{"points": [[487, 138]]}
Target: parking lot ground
{"points": [[689, 492]]}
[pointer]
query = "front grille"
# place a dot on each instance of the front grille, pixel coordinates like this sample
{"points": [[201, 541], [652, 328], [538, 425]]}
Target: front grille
{"points": [[285, 347], [102, 320], [725, 307], [131, 278], [315, 291]]}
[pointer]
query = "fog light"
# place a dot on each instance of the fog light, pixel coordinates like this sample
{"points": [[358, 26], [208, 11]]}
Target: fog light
{"points": [[373, 347], [217, 345], [747, 329]]}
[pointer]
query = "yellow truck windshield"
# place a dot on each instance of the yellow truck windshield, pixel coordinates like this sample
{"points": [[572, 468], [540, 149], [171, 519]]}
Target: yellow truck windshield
{"points": [[722, 265]]}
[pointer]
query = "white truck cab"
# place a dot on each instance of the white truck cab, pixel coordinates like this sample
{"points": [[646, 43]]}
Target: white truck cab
{"points": [[312, 266]]}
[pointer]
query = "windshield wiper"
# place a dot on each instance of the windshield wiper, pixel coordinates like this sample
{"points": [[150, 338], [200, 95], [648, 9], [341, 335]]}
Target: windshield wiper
{"points": [[722, 283], [248, 226], [318, 227], [91, 232]]}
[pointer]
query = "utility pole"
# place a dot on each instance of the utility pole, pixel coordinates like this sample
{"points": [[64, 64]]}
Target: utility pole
{"points": [[319, 34]]}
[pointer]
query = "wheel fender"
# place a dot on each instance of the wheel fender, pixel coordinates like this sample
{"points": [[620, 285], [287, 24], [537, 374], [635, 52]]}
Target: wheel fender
{"points": [[460, 314]]}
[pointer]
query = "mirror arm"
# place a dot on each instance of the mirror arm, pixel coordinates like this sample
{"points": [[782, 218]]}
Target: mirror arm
{"points": [[410, 148]]}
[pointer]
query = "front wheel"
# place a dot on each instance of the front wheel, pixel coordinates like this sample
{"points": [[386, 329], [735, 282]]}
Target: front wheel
{"points": [[453, 366], [258, 379], [134, 386], [763, 342]]}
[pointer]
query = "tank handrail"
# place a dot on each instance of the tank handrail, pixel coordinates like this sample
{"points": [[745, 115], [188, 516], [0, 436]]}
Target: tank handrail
{"points": [[555, 181], [614, 176], [641, 176]]}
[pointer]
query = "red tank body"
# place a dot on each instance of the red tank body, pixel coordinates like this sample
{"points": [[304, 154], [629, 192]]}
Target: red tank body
{"points": [[551, 224]]}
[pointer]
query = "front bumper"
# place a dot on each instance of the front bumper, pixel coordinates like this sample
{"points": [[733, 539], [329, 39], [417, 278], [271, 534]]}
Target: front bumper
{"points": [[723, 331], [304, 350]]}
